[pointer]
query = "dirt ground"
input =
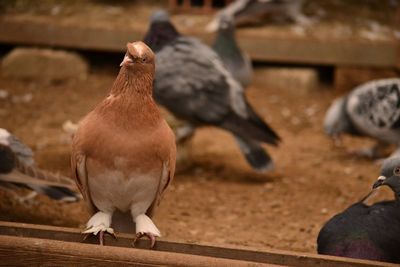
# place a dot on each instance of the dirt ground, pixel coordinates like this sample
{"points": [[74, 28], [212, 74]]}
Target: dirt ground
{"points": [[215, 197]]}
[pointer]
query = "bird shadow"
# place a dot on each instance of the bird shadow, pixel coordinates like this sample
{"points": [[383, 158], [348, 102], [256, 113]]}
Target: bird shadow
{"points": [[226, 173]]}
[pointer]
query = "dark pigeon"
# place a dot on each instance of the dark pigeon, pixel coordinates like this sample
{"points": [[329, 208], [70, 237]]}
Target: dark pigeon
{"points": [[17, 169], [235, 60], [192, 83], [371, 109], [255, 12], [367, 232]]}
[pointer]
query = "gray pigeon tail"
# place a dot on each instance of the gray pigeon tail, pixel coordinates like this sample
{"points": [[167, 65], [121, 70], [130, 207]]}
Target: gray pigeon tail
{"points": [[255, 155]]}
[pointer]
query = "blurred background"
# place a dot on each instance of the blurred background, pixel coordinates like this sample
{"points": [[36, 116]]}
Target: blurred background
{"points": [[59, 58]]}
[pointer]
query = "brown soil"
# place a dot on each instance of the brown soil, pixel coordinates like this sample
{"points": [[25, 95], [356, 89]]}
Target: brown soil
{"points": [[215, 197]]}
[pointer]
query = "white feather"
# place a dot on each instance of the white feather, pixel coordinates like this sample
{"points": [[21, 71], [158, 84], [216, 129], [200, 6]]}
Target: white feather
{"points": [[4, 137]]}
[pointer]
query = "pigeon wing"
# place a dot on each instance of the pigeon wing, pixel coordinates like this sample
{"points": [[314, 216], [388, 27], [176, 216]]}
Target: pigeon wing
{"points": [[374, 108], [22, 151], [79, 173], [195, 86]]}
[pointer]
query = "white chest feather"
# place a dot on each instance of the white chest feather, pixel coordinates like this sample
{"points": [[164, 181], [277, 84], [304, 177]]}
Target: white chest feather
{"points": [[112, 190]]}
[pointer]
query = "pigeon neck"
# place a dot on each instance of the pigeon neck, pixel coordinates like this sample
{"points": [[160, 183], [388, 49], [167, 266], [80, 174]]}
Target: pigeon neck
{"points": [[133, 81], [396, 191], [131, 95], [225, 42]]}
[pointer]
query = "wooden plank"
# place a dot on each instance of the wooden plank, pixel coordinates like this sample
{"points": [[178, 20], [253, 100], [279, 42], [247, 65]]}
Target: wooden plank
{"points": [[347, 78], [22, 251], [260, 47], [284, 258]]}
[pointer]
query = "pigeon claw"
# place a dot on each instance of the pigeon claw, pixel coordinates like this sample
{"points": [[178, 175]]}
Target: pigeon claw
{"points": [[101, 230], [151, 236]]}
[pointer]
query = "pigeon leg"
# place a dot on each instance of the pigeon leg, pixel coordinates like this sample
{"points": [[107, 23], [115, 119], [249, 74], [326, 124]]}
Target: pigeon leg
{"points": [[149, 235], [184, 132], [146, 227], [99, 224]]}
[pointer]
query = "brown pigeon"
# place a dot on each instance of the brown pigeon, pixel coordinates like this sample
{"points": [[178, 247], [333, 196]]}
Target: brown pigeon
{"points": [[123, 154]]}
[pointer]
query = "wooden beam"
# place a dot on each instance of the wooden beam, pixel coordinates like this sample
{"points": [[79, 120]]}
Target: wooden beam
{"points": [[259, 46], [40, 242], [21, 251]]}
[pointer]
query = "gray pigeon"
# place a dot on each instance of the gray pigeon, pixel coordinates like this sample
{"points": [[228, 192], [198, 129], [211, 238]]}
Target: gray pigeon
{"points": [[192, 83], [371, 109], [17, 169], [235, 60], [256, 11], [367, 232]]}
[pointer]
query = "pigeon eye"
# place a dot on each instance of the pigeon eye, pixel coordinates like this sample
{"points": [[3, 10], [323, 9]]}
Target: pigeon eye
{"points": [[144, 60], [396, 171]]}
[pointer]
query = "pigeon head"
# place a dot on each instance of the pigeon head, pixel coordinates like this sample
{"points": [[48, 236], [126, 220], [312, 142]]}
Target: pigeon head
{"points": [[226, 23], [390, 175], [7, 159], [336, 120], [159, 16], [138, 56], [161, 31]]}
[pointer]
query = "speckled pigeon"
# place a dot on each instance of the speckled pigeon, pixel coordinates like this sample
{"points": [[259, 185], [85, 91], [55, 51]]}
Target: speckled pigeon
{"points": [[235, 60], [371, 109], [193, 84], [367, 232]]}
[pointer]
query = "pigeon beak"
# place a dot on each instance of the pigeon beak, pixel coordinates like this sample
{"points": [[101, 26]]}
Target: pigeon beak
{"points": [[126, 60], [381, 180]]}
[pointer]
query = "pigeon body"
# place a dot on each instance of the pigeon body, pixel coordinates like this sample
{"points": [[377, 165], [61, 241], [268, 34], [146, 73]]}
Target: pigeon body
{"points": [[367, 232], [192, 83], [17, 169], [371, 109], [123, 154], [235, 60], [250, 12]]}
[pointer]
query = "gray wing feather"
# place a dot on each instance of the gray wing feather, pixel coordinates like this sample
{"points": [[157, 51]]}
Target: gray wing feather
{"points": [[192, 82], [22, 151]]}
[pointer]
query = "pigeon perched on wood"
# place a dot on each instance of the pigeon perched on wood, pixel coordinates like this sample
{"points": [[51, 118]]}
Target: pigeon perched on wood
{"points": [[235, 60], [192, 83], [17, 169], [123, 154], [371, 109], [367, 232], [251, 12]]}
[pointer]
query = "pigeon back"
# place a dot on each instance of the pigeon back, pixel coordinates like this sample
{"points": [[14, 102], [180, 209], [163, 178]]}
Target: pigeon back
{"points": [[374, 109]]}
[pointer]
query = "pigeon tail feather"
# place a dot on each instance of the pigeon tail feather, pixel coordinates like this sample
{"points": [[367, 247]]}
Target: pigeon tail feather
{"points": [[255, 155], [252, 127]]}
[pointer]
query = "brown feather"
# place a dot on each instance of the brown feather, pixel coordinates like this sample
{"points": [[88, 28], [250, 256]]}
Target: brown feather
{"points": [[128, 125]]}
